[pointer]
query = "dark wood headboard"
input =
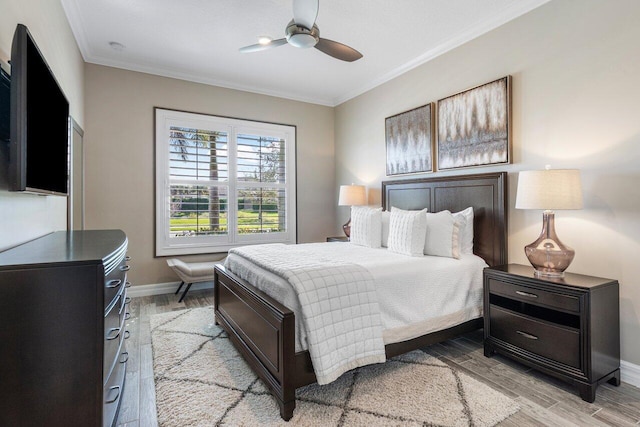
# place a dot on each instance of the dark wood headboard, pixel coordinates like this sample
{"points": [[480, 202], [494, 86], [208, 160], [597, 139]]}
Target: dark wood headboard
{"points": [[486, 193]]}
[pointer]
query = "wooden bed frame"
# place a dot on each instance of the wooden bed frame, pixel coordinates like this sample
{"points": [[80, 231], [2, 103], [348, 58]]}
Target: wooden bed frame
{"points": [[263, 330]]}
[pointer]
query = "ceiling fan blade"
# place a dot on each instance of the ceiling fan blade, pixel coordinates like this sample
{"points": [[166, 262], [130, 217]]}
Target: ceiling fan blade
{"points": [[338, 50], [258, 47], [305, 12]]}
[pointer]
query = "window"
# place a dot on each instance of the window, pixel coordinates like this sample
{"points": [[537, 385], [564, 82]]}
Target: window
{"points": [[222, 183]]}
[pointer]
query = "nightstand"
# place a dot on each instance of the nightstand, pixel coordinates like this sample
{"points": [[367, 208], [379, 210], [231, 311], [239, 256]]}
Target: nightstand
{"points": [[568, 328], [338, 239]]}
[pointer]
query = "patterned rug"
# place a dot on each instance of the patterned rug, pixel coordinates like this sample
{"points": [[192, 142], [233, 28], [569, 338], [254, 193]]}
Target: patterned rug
{"points": [[202, 381]]}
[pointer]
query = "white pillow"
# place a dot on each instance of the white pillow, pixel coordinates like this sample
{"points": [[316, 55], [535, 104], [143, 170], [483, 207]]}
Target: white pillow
{"points": [[366, 226], [407, 231], [465, 222], [386, 217], [442, 235]]}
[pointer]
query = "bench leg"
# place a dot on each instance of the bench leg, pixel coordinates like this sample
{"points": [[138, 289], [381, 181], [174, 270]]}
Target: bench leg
{"points": [[185, 292], [179, 287]]}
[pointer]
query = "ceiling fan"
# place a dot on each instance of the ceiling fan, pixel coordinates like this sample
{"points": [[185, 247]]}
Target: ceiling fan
{"points": [[303, 32]]}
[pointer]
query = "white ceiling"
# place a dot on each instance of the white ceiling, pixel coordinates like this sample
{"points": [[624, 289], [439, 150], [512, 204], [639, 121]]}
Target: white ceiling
{"points": [[198, 40]]}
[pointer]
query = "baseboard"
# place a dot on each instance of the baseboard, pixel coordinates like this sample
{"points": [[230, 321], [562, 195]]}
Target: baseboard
{"points": [[630, 373], [163, 288]]}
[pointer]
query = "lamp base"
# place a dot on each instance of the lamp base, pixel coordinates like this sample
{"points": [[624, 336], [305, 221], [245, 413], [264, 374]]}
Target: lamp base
{"points": [[548, 255], [346, 227]]}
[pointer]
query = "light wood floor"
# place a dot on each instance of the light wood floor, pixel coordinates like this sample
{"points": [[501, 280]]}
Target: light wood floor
{"points": [[544, 400]]}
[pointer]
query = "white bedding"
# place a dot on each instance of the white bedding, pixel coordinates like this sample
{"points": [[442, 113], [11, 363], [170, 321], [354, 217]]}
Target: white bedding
{"points": [[417, 295], [338, 306]]}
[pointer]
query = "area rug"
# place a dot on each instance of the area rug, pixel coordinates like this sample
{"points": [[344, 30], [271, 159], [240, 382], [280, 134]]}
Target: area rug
{"points": [[201, 380]]}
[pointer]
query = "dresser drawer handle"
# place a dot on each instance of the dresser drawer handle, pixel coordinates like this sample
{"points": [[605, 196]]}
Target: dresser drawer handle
{"points": [[127, 258], [526, 294], [127, 284], [113, 283], [125, 357], [127, 316], [125, 268], [127, 334], [526, 335], [112, 334], [117, 388]]}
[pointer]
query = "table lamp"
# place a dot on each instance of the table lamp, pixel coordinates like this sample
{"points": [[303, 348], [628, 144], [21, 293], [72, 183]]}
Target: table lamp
{"points": [[549, 190], [351, 195]]}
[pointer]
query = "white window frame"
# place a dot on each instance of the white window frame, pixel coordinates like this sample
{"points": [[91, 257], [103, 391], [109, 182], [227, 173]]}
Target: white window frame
{"points": [[185, 245]]}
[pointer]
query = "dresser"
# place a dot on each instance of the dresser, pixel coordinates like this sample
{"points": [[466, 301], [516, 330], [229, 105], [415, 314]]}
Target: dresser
{"points": [[568, 327], [63, 311]]}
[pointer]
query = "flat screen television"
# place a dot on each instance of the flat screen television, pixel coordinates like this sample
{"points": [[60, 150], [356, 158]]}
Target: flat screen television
{"points": [[5, 105], [39, 121]]}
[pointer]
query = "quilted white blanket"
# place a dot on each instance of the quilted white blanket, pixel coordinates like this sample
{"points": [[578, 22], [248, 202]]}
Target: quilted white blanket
{"points": [[339, 306]]}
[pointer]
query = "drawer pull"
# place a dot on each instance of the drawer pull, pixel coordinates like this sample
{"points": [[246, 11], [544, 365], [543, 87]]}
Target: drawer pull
{"points": [[127, 316], [526, 335], [112, 334], [127, 300], [113, 283], [116, 388], [125, 268], [127, 284], [127, 334], [127, 258], [125, 357], [526, 294]]}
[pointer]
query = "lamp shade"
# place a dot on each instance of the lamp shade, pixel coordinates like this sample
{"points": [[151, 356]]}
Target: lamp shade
{"points": [[352, 195], [552, 189]]}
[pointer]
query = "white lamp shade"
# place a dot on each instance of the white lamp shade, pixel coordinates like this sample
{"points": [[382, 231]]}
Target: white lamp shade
{"points": [[551, 189], [352, 195]]}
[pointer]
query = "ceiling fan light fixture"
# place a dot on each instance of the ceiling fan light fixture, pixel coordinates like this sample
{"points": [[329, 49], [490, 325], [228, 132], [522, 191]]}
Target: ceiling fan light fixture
{"points": [[303, 32], [302, 40], [299, 36]]}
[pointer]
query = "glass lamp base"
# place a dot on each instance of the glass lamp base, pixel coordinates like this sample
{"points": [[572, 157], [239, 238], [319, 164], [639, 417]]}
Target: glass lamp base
{"points": [[549, 274], [548, 255], [346, 227]]}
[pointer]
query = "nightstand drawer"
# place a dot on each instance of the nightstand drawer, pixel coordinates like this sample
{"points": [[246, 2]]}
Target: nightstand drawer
{"points": [[544, 339], [535, 296]]}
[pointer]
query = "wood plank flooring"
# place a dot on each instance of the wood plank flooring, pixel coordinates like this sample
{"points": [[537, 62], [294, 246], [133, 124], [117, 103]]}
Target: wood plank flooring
{"points": [[544, 400]]}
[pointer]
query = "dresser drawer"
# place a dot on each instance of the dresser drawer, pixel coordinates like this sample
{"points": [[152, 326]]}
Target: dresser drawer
{"points": [[115, 281], [113, 392], [542, 338], [535, 296], [114, 335]]}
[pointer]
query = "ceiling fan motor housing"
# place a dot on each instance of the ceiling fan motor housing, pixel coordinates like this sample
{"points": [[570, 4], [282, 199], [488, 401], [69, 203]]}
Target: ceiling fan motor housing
{"points": [[299, 36]]}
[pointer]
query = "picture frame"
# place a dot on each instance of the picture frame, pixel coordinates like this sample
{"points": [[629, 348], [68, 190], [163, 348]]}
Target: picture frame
{"points": [[409, 140], [474, 126]]}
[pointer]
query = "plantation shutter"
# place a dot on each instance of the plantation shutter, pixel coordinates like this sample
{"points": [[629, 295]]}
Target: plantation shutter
{"points": [[222, 183], [261, 184], [198, 182]]}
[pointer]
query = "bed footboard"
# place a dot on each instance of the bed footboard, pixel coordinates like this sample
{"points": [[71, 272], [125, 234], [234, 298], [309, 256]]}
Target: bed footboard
{"points": [[262, 330]]}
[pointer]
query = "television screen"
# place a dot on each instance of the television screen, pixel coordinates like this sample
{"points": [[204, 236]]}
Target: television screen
{"points": [[39, 160]]}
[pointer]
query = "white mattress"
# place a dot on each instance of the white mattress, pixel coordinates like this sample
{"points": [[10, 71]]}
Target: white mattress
{"points": [[417, 295]]}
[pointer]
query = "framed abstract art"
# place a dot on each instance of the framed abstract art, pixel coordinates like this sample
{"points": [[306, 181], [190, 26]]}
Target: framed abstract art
{"points": [[409, 141], [474, 126]]}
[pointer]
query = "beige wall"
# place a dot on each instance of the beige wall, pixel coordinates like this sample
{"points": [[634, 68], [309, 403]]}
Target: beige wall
{"points": [[119, 149], [24, 217], [576, 70]]}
